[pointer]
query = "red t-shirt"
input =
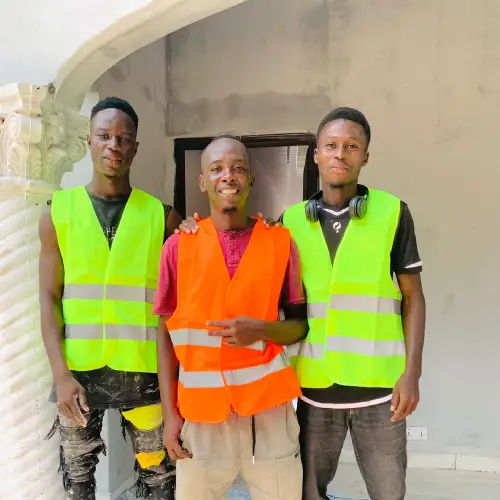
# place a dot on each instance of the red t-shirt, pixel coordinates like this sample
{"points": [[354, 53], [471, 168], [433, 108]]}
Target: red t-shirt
{"points": [[233, 244]]}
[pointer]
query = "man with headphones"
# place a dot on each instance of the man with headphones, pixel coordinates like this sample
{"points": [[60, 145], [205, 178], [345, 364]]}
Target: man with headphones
{"points": [[360, 365]]}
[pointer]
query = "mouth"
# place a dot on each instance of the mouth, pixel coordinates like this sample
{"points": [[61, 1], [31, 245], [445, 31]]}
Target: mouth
{"points": [[339, 169], [113, 162], [228, 192]]}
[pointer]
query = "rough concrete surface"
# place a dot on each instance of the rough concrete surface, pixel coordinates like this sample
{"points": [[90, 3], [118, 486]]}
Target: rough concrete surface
{"points": [[422, 485]]}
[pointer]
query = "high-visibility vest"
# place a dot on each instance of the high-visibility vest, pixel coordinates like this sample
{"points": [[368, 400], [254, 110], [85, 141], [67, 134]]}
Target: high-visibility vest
{"points": [[108, 292], [354, 309], [213, 377]]}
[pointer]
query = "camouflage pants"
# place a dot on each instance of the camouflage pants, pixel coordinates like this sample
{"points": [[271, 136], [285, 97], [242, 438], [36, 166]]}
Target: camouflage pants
{"points": [[81, 446]]}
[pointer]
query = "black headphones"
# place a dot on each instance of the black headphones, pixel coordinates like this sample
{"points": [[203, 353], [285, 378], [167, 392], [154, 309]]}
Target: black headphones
{"points": [[357, 206]]}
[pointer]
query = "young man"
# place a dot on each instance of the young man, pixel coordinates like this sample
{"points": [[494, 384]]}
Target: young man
{"points": [[360, 365], [226, 383], [97, 282]]}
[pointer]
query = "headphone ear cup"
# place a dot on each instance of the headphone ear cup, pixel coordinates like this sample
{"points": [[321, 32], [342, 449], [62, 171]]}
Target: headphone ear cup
{"points": [[358, 207], [312, 211]]}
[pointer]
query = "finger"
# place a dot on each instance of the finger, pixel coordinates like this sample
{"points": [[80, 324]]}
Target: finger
{"points": [[220, 324], [75, 409], [176, 231], [260, 215], [197, 217], [402, 410], [395, 400], [64, 409], [179, 451], [82, 399]]}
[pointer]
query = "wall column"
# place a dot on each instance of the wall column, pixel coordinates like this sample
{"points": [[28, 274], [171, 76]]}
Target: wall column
{"points": [[39, 141]]}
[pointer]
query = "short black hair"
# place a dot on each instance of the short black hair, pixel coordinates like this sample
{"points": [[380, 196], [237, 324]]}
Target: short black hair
{"points": [[116, 103], [345, 113], [228, 136]]}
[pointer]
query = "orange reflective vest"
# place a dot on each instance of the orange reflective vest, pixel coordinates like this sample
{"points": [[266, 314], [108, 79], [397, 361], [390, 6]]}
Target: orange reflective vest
{"points": [[214, 377]]}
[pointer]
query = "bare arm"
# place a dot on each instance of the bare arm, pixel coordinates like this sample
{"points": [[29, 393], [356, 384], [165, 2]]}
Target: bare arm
{"points": [[406, 394], [168, 368], [174, 220], [70, 394], [413, 315], [168, 377], [51, 287]]}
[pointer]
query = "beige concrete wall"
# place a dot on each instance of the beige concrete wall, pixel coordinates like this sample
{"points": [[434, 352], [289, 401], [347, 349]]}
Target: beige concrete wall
{"points": [[427, 75]]}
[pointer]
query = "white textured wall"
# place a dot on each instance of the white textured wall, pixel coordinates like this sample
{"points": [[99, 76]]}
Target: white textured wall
{"points": [[426, 74]]}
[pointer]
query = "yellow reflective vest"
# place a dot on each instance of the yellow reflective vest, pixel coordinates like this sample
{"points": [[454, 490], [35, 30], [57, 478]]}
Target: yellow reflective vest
{"points": [[354, 308], [108, 292]]}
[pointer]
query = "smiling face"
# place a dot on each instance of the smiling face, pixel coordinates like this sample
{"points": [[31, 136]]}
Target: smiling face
{"points": [[225, 175], [341, 153], [112, 142]]}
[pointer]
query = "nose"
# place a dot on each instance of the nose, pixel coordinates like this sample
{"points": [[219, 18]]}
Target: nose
{"points": [[227, 174], [113, 143], [340, 152]]}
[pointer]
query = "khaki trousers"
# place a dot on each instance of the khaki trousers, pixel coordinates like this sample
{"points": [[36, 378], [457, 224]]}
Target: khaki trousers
{"points": [[223, 451]]}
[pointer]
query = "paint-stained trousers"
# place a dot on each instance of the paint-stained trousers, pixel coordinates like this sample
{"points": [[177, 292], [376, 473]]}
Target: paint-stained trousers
{"points": [[81, 446]]}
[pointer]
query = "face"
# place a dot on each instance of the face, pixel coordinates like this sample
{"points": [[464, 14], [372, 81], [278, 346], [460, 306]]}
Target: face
{"points": [[341, 153], [226, 175], [112, 142]]}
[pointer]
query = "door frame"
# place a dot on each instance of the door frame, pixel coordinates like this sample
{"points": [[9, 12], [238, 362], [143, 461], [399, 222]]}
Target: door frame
{"points": [[181, 145]]}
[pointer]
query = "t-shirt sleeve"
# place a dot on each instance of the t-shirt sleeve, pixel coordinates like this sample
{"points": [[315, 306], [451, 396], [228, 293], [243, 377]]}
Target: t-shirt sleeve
{"points": [[405, 258], [166, 290]]}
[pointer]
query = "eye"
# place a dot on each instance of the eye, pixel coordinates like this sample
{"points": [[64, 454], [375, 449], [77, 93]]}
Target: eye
{"points": [[331, 145], [353, 146], [104, 137], [125, 139]]}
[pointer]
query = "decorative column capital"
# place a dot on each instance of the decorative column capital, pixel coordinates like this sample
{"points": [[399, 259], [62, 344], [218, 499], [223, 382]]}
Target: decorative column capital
{"points": [[40, 139]]}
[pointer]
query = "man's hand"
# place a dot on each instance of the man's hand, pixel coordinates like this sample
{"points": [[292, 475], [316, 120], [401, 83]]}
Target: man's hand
{"points": [[71, 397], [269, 221], [172, 427], [405, 397], [190, 225], [240, 331]]}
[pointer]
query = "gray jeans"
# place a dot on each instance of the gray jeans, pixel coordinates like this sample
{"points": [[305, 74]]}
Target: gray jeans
{"points": [[379, 445]]}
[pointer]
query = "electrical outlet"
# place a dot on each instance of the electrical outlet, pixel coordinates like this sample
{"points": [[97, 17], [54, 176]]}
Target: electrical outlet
{"points": [[416, 433]]}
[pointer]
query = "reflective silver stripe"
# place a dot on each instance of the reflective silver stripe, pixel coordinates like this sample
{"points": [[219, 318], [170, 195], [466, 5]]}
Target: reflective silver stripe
{"points": [[364, 303], [113, 292], [202, 380], [242, 376], [317, 310], [200, 338], [254, 373], [366, 347], [113, 332], [306, 349]]}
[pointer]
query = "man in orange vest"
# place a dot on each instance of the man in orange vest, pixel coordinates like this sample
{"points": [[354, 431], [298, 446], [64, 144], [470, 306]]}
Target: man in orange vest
{"points": [[225, 381]]}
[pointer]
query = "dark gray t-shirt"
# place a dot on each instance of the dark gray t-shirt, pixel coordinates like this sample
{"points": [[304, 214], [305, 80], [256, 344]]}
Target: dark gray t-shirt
{"points": [[107, 388], [405, 259]]}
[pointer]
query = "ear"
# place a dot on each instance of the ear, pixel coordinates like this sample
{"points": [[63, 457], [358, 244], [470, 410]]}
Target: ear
{"points": [[201, 183], [316, 156], [252, 181], [136, 148], [365, 161], [89, 140]]}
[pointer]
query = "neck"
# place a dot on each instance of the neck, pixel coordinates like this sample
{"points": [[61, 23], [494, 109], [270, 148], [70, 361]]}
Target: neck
{"points": [[110, 188], [231, 221], [339, 197]]}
